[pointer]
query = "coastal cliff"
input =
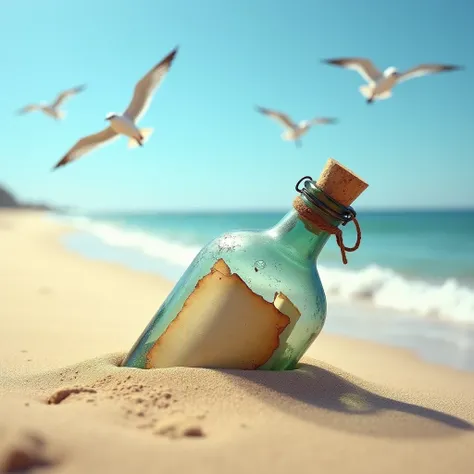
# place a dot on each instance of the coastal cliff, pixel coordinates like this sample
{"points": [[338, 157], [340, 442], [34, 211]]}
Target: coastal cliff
{"points": [[8, 200]]}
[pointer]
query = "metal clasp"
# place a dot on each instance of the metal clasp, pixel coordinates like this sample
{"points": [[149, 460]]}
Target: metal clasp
{"points": [[348, 214], [297, 187]]}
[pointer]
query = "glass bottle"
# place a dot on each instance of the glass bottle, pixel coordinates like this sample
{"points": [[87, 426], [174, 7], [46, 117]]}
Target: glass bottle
{"points": [[250, 299]]}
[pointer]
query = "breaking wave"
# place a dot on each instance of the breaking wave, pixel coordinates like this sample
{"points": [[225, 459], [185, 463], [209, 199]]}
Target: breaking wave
{"points": [[381, 287]]}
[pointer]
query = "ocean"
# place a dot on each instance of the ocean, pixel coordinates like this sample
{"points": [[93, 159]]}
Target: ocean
{"points": [[410, 284]]}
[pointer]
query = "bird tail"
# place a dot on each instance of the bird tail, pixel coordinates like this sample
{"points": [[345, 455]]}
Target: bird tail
{"points": [[145, 135], [366, 91], [60, 115], [384, 95]]}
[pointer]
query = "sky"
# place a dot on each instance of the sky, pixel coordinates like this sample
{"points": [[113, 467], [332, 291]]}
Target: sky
{"points": [[210, 149]]}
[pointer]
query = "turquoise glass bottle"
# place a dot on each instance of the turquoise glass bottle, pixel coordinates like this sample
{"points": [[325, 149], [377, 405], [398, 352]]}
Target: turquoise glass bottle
{"points": [[252, 299]]}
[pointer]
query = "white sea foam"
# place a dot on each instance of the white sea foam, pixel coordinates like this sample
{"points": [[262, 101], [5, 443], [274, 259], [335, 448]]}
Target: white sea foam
{"points": [[175, 253], [386, 289], [382, 287]]}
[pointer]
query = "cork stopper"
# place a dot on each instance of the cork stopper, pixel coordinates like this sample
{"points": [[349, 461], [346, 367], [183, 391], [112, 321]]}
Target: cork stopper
{"points": [[340, 183]]}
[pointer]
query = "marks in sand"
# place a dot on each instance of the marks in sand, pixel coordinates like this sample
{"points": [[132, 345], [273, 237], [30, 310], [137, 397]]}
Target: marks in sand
{"points": [[61, 395], [152, 408]]}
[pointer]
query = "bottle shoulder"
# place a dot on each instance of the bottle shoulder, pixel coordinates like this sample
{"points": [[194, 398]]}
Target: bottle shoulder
{"points": [[259, 258], [240, 239], [249, 244]]}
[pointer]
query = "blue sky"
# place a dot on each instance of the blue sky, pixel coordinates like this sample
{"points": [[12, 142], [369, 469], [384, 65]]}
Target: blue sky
{"points": [[210, 149]]}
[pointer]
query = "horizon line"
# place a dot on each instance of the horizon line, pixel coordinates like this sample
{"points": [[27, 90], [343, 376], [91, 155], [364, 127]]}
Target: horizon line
{"points": [[389, 209]]}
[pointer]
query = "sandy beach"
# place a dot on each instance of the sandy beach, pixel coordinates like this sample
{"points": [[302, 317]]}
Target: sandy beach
{"points": [[67, 407]]}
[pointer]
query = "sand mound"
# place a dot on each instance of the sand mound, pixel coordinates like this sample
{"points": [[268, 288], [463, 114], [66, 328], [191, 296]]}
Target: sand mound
{"points": [[97, 409]]}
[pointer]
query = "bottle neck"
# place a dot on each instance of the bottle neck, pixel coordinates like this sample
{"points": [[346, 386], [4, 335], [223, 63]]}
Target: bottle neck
{"points": [[299, 237], [304, 231]]}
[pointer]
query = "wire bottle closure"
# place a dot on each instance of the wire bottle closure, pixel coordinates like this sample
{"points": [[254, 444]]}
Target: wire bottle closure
{"points": [[320, 219]]}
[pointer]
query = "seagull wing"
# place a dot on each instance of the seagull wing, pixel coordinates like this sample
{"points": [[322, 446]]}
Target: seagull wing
{"points": [[424, 69], [145, 88], [323, 120], [86, 144], [67, 93], [278, 116], [363, 66], [28, 108]]}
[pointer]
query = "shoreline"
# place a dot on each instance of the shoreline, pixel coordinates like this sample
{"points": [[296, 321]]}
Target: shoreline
{"points": [[66, 405], [48, 235], [434, 341]]}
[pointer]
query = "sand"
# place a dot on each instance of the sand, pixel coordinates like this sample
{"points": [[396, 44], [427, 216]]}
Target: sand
{"points": [[67, 407]]}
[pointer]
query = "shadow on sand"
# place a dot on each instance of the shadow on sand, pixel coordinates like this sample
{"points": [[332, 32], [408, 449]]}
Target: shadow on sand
{"points": [[341, 404], [314, 392]]}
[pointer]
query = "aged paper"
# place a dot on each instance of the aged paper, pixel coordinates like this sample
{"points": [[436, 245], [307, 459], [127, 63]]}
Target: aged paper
{"points": [[222, 324]]}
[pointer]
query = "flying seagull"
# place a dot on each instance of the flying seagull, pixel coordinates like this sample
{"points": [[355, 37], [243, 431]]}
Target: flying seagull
{"points": [[379, 85], [125, 124], [53, 109], [293, 130]]}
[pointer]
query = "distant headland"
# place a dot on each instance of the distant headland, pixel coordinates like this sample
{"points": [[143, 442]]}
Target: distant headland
{"points": [[9, 201]]}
